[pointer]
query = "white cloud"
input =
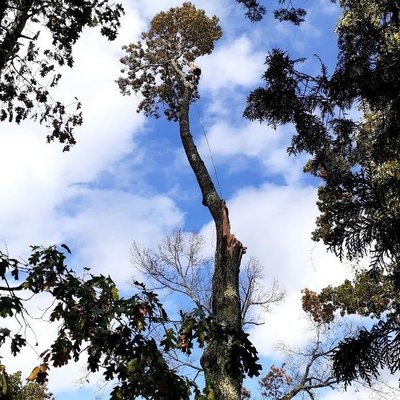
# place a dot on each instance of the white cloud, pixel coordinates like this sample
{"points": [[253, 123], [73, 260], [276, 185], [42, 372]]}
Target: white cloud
{"points": [[275, 223], [254, 141], [104, 228], [285, 324], [386, 389], [35, 176], [235, 63]]}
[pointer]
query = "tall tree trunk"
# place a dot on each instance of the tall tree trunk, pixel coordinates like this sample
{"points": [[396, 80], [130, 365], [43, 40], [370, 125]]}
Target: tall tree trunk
{"points": [[220, 360]]}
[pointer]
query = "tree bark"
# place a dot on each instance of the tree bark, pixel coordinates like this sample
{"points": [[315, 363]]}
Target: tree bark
{"points": [[220, 360]]}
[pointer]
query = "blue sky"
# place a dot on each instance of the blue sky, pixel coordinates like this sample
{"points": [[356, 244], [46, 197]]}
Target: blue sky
{"points": [[127, 178]]}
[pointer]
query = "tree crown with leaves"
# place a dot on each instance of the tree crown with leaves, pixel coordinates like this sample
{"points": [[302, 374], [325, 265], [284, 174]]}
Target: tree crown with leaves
{"points": [[157, 66]]}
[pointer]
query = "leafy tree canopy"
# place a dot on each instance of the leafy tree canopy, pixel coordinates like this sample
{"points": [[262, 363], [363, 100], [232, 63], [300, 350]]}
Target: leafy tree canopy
{"points": [[12, 388], [156, 66], [94, 319], [28, 72], [362, 296]]}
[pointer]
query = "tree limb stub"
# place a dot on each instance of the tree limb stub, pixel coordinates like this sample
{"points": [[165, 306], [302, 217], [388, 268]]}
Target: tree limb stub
{"points": [[231, 242]]}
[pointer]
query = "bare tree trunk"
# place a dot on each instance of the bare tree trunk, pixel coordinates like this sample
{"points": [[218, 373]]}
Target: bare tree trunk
{"points": [[220, 361]]}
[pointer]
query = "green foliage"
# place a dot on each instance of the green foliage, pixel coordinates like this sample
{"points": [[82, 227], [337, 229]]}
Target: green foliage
{"points": [[4, 386], [256, 11], [296, 16], [196, 325], [364, 355], [12, 388], [158, 66], [363, 296], [29, 391], [28, 72], [356, 203], [357, 162], [368, 296], [95, 320]]}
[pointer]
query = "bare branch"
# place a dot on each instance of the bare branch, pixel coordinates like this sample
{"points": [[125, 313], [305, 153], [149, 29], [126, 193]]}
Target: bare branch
{"points": [[254, 295], [179, 264]]}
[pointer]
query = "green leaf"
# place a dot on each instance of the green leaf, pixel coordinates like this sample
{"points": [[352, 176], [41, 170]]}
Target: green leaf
{"points": [[9, 306], [16, 343], [3, 267], [114, 293], [169, 341]]}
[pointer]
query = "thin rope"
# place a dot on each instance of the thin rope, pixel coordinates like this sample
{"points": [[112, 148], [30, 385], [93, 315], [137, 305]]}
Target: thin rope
{"points": [[209, 150]]}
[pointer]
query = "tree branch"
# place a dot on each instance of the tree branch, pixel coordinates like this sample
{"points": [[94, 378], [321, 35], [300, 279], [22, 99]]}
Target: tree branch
{"points": [[12, 289], [10, 45]]}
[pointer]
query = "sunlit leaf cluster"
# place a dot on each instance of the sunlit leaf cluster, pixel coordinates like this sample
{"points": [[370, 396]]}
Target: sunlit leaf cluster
{"points": [[158, 67], [362, 295]]}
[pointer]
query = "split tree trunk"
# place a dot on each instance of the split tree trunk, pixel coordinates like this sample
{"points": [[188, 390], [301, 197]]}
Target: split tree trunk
{"points": [[220, 359]]}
